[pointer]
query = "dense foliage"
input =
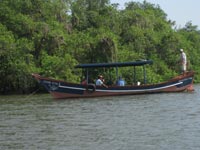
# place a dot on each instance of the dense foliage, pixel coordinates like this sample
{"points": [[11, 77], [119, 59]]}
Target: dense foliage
{"points": [[50, 37]]}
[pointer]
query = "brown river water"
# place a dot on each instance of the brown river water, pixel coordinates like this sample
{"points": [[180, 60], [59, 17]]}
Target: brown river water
{"points": [[139, 122]]}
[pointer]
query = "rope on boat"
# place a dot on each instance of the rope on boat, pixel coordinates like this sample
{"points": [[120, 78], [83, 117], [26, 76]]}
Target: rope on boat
{"points": [[29, 95]]}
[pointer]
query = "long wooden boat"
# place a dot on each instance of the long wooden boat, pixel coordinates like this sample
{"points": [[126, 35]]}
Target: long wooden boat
{"points": [[61, 89]]}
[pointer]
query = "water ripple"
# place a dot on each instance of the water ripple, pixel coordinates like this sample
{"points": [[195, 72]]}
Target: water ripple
{"points": [[153, 122]]}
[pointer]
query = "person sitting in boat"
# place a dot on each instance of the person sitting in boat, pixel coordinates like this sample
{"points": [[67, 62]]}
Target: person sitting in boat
{"points": [[120, 82], [100, 82], [84, 81]]}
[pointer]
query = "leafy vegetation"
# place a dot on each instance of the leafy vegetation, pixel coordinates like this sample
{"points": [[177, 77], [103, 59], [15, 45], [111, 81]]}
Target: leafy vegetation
{"points": [[50, 37]]}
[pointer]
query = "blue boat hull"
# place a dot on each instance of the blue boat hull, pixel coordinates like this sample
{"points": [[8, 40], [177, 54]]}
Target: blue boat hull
{"points": [[60, 89]]}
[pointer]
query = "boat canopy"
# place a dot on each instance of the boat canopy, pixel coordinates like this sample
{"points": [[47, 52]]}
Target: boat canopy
{"points": [[117, 64]]}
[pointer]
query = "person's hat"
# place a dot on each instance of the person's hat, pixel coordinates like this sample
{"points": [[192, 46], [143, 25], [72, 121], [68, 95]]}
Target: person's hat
{"points": [[181, 50]]}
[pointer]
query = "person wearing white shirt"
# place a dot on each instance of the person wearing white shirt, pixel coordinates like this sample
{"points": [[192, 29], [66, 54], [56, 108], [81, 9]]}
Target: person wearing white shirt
{"points": [[183, 61], [99, 81]]}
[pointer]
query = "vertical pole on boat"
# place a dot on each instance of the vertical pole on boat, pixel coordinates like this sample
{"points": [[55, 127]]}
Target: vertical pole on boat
{"points": [[87, 77], [110, 77], [134, 76], [144, 71], [117, 72]]}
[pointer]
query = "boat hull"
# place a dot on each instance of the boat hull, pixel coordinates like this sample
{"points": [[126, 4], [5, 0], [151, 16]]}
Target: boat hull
{"points": [[61, 90]]}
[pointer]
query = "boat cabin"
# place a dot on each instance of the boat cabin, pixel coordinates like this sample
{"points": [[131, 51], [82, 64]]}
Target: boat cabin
{"points": [[116, 65]]}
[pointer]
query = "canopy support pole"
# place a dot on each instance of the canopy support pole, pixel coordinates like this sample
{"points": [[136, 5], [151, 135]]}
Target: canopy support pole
{"points": [[87, 75], [117, 72], [144, 71], [134, 76]]}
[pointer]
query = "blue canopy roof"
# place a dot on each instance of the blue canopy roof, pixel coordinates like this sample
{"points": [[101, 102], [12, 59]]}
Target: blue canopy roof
{"points": [[117, 64]]}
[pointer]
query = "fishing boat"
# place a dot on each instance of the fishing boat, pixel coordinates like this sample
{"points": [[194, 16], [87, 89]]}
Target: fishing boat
{"points": [[61, 89]]}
